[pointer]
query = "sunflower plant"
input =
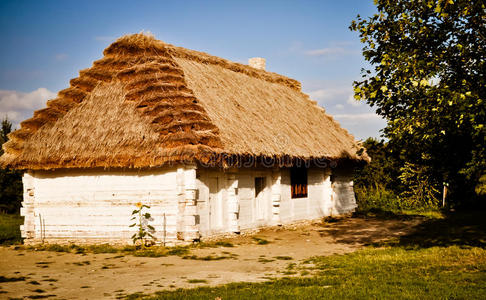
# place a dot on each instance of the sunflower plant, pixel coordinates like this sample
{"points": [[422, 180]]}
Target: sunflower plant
{"points": [[145, 233]]}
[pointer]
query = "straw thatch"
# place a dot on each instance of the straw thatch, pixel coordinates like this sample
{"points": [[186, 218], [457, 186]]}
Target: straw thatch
{"points": [[146, 103]]}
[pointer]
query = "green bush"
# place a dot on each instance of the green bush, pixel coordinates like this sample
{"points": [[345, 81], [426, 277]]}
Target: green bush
{"points": [[422, 191], [10, 229], [376, 197], [387, 183]]}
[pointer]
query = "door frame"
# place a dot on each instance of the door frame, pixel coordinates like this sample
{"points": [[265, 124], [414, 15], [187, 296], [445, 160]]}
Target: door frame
{"points": [[264, 199], [219, 203]]}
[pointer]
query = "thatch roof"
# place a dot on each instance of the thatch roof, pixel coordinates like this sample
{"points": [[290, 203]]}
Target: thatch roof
{"points": [[147, 103]]}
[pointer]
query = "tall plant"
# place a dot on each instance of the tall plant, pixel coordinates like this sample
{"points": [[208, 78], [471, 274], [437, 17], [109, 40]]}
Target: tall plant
{"points": [[145, 233]]}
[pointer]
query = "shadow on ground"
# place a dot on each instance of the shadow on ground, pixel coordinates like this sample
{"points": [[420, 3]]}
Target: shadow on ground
{"points": [[464, 228]]}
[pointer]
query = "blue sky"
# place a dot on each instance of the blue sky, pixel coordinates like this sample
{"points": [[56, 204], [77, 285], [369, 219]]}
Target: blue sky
{"points": [[46, 43]]}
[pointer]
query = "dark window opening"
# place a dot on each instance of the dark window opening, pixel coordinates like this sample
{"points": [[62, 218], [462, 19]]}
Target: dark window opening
{"points": [[298, 182], [259, 185]]}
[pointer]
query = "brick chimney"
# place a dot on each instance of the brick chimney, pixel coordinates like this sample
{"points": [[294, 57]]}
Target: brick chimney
{"points": [[257, 63]]}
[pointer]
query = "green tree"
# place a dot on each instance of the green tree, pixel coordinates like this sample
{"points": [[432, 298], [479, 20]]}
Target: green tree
{"points": [[427, 79], [4, 131], [10, 180], [383, 169]]}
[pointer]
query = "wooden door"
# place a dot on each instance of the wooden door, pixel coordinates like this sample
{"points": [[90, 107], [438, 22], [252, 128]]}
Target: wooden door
{"points": [[261, 199], [215, 205]]}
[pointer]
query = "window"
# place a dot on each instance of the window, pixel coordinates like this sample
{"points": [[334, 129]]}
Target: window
{"points": [[259, 185], [298, 182]]}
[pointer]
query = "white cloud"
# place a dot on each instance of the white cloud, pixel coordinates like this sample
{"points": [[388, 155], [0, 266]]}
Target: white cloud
{"points": [[351, 100], [358, 117], [18, 106], [361, 125], [334, 49], [327, 51], [61, 56], [343, 95], [330, 93]]}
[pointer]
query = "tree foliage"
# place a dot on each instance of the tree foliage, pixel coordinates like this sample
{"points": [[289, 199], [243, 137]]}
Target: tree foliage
{"points": [[376, 183], [10, 180], [427, 79], [383, 169]]}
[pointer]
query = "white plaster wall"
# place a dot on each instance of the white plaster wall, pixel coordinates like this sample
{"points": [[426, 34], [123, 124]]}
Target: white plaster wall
{"points": [[248, 215], [317, 202], [203, 203], [87, 204], [238, 213], [344, 200]]}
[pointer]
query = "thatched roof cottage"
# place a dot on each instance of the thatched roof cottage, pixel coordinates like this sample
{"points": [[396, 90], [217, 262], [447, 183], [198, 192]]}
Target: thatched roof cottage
{"points": [[211, 145]]}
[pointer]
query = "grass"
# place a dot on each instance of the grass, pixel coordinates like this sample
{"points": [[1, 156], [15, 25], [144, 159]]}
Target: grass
{"points": [[39, 296], [210, 257], [197, 281], [215, 244], [82, 263], [444, 257], [464, 229], [154, 251], [264, 260], [399, 213], [378, 198], [11, 279], [393, 272], [260, 241], [283, 257], [10, 229]]}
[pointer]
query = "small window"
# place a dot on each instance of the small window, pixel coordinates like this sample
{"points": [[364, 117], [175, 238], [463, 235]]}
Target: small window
{"points": [[298, 182], [259, 185]]}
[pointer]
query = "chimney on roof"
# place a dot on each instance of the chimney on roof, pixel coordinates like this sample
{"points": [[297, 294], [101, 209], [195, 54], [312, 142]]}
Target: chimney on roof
{"points": [[257, 63]]}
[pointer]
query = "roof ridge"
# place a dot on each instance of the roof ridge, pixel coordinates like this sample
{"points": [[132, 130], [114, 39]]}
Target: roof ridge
{"points": [[140, 43]]}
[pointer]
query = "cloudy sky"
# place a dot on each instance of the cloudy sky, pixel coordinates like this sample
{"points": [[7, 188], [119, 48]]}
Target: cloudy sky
{"points": [[45, 43]]}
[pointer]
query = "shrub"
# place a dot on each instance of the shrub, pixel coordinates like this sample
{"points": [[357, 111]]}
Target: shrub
{"points": [[377, 197]]}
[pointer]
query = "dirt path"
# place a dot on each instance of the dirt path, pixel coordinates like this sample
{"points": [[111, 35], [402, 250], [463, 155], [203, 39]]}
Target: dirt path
{"points": [[95, 276]]}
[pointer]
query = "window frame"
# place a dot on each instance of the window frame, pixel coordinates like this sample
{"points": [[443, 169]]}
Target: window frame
{"points": [[299, 183], [263, 183]]}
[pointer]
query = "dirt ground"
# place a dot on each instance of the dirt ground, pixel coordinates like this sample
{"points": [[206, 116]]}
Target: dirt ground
{"points": [[56, 275]]}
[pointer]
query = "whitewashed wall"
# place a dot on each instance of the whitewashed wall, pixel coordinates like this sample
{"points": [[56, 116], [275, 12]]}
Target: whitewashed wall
{"points": [[217, 203], [251, 213], [239, 210], [79, 206], [344, 200], [87, 206], [317, 203]]}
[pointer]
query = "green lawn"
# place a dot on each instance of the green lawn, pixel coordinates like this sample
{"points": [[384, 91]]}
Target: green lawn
{"points": [[391, 273], [443, 258], [10, 229]]}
